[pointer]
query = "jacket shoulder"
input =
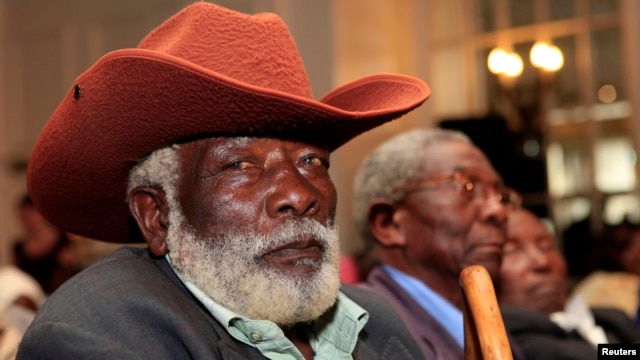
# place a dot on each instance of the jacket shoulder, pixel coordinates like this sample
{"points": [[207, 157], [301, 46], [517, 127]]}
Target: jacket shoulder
{"points": [[384, 334]]}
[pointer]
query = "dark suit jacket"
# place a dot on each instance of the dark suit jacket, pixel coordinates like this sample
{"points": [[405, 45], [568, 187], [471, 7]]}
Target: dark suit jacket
{"points": [[434, 340], [541, 338], [132, 306]]}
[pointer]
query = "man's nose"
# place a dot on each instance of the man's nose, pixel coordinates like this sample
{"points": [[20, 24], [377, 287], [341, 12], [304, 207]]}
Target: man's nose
{"points": [[290, 193], [538, 258], [495, 211]]}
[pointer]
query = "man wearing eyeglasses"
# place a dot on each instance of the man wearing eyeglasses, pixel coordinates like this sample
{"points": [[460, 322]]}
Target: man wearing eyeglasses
{"points": [[428, 203]]}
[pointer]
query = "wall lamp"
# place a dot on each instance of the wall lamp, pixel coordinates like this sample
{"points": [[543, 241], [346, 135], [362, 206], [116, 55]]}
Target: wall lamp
{"points": [[507, 66], [543, 56]]}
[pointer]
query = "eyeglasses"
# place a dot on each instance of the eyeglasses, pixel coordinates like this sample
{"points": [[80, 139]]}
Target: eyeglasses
{"points": [[468, 188]]}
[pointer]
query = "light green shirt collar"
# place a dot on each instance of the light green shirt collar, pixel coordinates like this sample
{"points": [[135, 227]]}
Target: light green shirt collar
{"points": [[333, 336]]}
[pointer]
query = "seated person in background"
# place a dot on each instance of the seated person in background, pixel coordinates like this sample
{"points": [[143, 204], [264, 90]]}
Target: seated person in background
{"points": [[9, 340], [428, 203], [617, 282], [44, 249], [20, 297], [206, 143], [533, 299]]}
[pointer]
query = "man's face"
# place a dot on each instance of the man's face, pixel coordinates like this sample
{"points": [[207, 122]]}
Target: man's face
{"points": [[448, 227], [534, 273], [256, 232]]}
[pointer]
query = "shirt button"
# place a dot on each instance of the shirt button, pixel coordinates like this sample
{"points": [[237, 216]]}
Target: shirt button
{"points": [[255, 336]]}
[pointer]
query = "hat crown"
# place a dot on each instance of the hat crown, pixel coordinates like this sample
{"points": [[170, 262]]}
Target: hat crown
{"points": [[254, 49]]}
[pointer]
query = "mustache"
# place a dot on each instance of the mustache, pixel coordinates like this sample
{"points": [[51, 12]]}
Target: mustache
{"points": [[289, 231], [294, 230]]}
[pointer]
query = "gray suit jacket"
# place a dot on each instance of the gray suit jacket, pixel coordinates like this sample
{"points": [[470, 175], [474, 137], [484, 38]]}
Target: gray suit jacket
{"points": [[132, 306]]}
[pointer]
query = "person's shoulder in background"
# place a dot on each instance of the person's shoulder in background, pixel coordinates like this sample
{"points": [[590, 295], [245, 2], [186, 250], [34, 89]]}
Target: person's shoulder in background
{"points": [[610, 289], [20, 298], [385, 331]]}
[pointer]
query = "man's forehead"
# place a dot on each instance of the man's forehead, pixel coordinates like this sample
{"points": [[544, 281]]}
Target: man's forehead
{"points": [[452, 151], [227, 142], [526, 223], [240, 140], [459, 157], [221, 145]]}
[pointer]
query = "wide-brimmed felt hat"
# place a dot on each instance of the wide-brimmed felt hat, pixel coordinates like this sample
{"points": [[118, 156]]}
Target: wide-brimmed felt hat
{"points": [[206, 71]]}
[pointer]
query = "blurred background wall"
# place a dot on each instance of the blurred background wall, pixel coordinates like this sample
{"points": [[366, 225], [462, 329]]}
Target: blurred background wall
{"points": [[565, 137]]}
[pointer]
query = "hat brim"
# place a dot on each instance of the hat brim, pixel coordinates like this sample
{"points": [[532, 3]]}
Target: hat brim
{"points": [[134, 101]]}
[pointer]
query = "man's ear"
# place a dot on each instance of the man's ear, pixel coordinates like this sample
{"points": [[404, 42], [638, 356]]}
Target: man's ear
{"points": [[385, 225], [150, 210]]}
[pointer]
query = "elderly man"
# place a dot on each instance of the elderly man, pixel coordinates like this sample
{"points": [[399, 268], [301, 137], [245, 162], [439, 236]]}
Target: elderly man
{"points": [[534, 302], [428, 203], [205, 142]]}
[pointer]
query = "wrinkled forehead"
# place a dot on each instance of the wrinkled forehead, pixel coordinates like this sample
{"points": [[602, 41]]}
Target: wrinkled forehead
{"points": [[524, 226], [216, 143], [224, 143], [449, 156]]}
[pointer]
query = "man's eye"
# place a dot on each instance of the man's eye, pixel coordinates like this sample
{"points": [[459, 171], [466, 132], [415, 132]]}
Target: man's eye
{"points": [[546, 245], [240, 165], [315, 161]]}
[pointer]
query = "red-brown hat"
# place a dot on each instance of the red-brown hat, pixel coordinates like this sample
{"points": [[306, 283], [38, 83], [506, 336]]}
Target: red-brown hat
{"points": [[206, 71]]}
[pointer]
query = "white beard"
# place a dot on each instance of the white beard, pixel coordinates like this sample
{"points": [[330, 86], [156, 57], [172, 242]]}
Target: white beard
{"points": [[227, 269]]}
